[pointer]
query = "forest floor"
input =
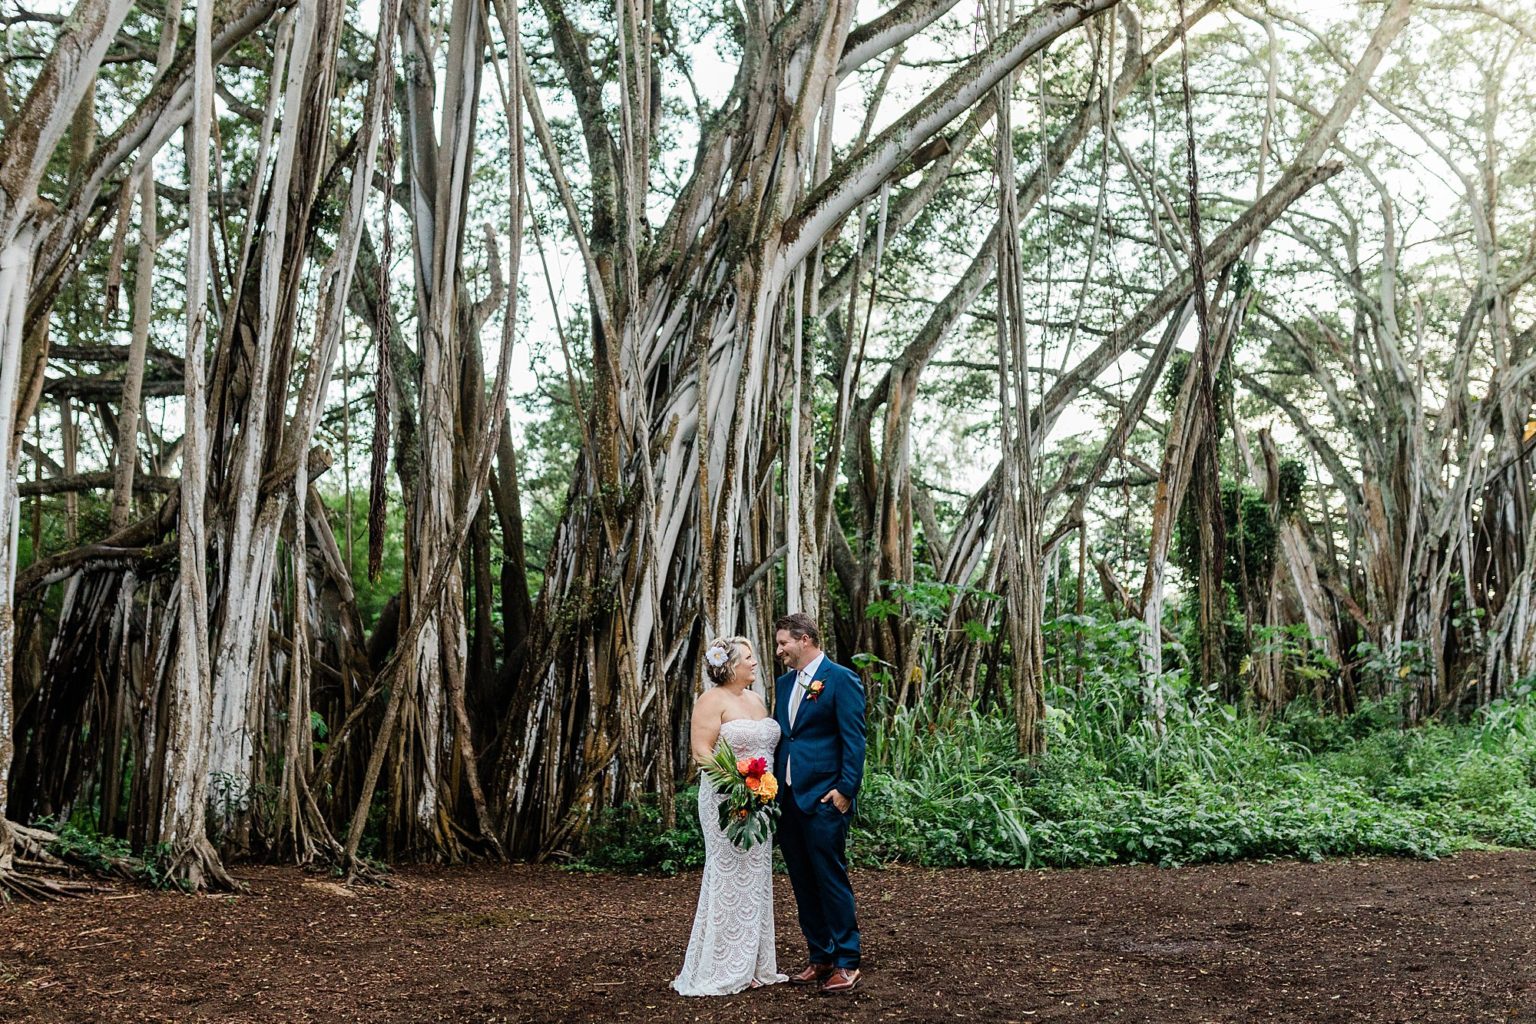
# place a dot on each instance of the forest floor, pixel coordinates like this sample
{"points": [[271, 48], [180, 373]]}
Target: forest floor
{"points": [[1347, 940]]}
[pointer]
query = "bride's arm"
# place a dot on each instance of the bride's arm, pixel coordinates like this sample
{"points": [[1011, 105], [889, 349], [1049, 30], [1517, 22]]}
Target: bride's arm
{"points": [[704, 732]]}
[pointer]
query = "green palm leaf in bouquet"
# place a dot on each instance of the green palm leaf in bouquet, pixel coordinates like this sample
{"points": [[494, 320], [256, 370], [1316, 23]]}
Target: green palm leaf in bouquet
{"points": [[746, 789]]}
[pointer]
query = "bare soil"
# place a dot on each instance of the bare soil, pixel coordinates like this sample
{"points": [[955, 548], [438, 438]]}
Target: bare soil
{"points": [[1354, 940]]}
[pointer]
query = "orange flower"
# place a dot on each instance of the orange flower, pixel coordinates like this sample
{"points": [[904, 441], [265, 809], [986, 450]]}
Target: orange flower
{"points": [[768, 788], [741, 813], [743, 765], [753, 782]]}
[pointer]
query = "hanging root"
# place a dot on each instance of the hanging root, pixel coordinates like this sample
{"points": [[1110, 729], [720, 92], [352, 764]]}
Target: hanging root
{"points": [[360, 870], [329, 856], [196, 867], [315, 847]]}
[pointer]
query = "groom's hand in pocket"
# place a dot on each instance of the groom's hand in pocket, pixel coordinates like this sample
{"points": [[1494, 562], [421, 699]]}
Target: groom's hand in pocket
{"points": [[837, 800]]}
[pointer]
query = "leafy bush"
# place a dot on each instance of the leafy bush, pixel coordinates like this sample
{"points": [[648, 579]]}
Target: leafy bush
{"points": [[84, 846], [945, 787], [630, 838], [1318, 732]]}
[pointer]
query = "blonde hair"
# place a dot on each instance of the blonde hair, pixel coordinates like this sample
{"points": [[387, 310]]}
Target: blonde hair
{"points": [[734, 647]]}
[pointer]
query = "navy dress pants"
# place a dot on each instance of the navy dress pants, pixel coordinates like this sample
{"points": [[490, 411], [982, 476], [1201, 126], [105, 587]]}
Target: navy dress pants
{"points": [[815, 848]]}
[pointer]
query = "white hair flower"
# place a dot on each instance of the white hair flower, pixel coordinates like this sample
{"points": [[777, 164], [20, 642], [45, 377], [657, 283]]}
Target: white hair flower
{"points": [[717, 655]]}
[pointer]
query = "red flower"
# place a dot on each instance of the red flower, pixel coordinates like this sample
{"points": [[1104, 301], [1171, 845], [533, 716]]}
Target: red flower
{"points": [[756, 767]]}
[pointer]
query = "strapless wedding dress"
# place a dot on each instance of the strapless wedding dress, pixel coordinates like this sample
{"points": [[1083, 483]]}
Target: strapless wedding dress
{"points": [[732, 942]]}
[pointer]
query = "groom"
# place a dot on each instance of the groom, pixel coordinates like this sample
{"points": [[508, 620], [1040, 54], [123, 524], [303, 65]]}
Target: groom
{"points": [[819, 706]]}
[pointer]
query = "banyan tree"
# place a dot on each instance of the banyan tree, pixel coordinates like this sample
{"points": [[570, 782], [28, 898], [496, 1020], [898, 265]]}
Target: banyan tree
{"points": [[251, 250]]}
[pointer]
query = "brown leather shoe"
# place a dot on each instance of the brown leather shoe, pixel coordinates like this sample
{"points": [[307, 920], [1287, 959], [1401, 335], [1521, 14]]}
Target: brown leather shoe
{"points": [[814, 974], [843, 979]]}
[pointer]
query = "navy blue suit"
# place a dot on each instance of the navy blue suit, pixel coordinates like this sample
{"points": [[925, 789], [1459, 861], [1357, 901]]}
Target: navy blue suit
{"points": [[826, 744]]}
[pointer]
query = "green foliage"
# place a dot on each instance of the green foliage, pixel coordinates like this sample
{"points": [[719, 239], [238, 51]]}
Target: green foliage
{"points": [[85, 846], [1384, 671], [1252, 536], [320, 731], [1231, 633], [1095, 648], [105, 855], [49, 515], [1314, 731], [370, 845], [372, 595], [231, 795], [1179, 366], [154, 869], [943, 788], [552, 438], [1251, 527], [946, 787], [1173, 380], [926, 605], [1299, 655], [1293, 478], [631, 838], [747, 809], [1214, 785]]}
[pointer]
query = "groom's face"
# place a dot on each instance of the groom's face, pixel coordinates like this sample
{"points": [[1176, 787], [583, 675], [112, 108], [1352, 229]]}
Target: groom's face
{"points": [[793, 651]]}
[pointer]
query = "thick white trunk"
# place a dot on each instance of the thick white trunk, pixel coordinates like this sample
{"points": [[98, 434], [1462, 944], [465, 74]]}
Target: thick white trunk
{"points": [[439, 180], [247, 534], [15, 271], [429, 705], [802, 561], [183, 826], [28, 144], [240, 669]]}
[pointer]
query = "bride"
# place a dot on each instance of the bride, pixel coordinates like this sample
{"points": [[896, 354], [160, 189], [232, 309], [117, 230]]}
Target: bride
{"points": [[731, 947]]}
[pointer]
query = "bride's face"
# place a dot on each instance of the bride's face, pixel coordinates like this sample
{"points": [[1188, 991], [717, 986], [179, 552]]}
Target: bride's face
{"points": [[746, 668]]}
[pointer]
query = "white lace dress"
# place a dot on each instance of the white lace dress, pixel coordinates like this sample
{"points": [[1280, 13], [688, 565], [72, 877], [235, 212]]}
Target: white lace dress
{"points": [[732, 941]]}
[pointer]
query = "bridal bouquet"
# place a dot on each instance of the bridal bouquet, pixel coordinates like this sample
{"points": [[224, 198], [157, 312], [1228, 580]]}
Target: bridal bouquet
{"points": [[747, 789]]}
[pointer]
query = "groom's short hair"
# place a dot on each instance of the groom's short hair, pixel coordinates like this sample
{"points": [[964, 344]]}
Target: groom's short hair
{"points": [[800, 624]]}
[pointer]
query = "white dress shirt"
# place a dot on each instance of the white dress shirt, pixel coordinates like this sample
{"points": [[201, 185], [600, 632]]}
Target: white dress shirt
{"points": [[802, 680]]}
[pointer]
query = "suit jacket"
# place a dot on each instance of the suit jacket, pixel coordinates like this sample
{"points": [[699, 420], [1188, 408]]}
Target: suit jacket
{"points": [[827, 739]]}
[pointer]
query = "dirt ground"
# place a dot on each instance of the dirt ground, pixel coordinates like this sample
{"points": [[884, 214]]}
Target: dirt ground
{"points": [[1363, 940]]}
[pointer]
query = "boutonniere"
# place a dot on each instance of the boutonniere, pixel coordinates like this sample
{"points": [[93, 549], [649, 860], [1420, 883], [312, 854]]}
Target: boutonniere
{"points": [[813, 689]]}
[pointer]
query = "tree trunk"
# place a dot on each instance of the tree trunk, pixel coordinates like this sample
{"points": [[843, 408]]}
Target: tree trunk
{"points": [[15, 268], [193, 861], [615, 603]]}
